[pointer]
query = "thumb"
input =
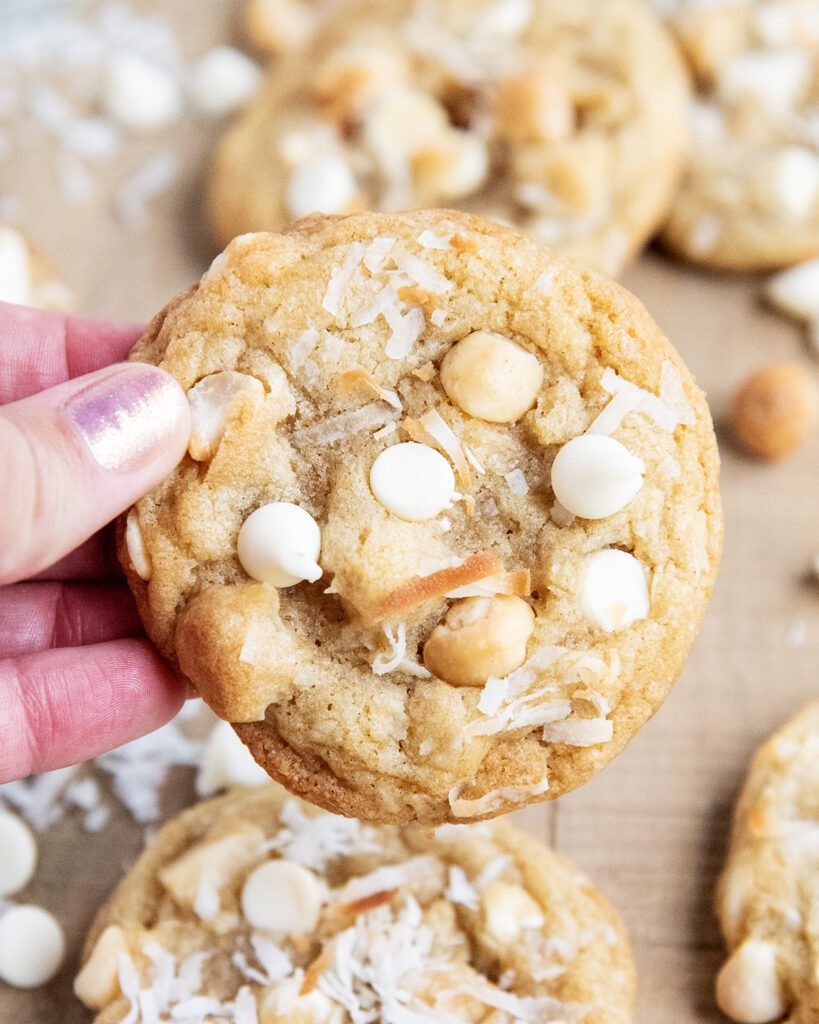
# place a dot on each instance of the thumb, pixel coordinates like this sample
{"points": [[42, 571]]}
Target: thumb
{"points": [[75, 456]]}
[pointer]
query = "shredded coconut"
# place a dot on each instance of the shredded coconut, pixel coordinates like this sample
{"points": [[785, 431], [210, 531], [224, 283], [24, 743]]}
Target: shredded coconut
{"points": [[377, 252], [300, 348], [464, 808], [429, 240], [579, 732], [315, 841], [672, 394], [328, 431], [406, 330], [398, 644], [340, 279], [516, 482], [437, 317], [422, 273], [460, 890]]}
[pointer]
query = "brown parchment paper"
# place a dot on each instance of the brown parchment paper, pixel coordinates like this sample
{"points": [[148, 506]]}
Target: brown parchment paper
{"points": [[652, 828]]}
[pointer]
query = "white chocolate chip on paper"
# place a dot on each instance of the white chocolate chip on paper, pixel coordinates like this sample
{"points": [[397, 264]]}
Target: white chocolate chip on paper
{"points": [[32, 946], [18, 854]]}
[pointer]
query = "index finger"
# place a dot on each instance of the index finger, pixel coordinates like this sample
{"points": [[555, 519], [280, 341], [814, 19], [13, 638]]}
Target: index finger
{"points": [[39, 349]]}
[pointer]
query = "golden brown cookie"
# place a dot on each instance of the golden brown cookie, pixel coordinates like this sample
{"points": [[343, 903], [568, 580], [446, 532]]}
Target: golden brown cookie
{"points": [[25, 277], [255, 907], [566, 120], [768, 900], [750, 195], [363, 562]]}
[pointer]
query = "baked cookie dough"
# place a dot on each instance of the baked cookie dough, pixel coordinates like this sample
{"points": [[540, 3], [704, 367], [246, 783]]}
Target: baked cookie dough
{"points": [[255, 907], [25, 277], [363, 562], [750, 195], [566, 120], [768, 898]]}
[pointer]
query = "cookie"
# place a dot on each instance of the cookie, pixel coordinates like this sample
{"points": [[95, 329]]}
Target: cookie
{"points": [[567, 121], [768, 897], [750, 195], [253, 907], [449, 517], [25, 277]]}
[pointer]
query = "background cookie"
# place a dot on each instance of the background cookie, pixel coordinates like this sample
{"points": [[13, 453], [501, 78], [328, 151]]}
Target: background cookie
{"points": [[750, 194], [769, 891], [261, 906], [25, 277], [565, 120], [411, 678]]}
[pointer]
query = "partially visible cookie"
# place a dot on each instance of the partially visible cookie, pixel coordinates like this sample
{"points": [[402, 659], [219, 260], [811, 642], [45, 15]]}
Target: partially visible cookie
{"points": [[256, 907], [449, 518], [768, 900], [749, 198], [25, 277], [566, 120]]}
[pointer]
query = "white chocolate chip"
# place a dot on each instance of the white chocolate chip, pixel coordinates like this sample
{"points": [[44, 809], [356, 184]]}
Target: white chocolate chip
{"points": [[15, 267], [507, 909], [793, 182], [18, 854], [223, 81], [595, 476], [97, 984], [323, 184], [227, 762], [412, 481], [213, 401], [490, 377], [748, 987], [774, 80], [32, 946], [279, 544], [615, 593], [281, 896], [139, 94], [796, 291], [138, 553]]}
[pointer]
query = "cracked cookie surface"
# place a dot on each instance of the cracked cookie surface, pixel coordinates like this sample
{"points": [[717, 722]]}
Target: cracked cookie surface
{"points": [[504, 646], [567, 121], [256, 907]]}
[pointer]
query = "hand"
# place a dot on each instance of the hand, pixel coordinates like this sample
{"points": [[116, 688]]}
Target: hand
{"points": [[80, 440]]}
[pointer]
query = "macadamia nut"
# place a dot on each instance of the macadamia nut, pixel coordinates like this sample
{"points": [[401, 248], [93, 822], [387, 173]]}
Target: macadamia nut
{"points": [[775, 410], [748, 988], [480, 637], [490, 377]]}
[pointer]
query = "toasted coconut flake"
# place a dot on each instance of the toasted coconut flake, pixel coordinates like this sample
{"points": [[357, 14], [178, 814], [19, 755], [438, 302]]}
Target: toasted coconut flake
{"points": [[367, 903], [515, 583], [611, 416], [340, 279], [421, 589], [328, 431], [578, 732], [493, 695], [495, 799], [390, 428], [301, 348], [316, 969], [509, 706], [461, 243], [433, 425], [672, 394], [353, 378], [415, 295], [385, 298], [429, 240], [377, 252], [425, 372], [406, 330]]}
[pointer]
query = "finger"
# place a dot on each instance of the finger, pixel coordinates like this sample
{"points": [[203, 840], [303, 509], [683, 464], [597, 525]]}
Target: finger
{"points": [[63, 706], [96, 559], [75, 456], [39, 350], [37, 616]]}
